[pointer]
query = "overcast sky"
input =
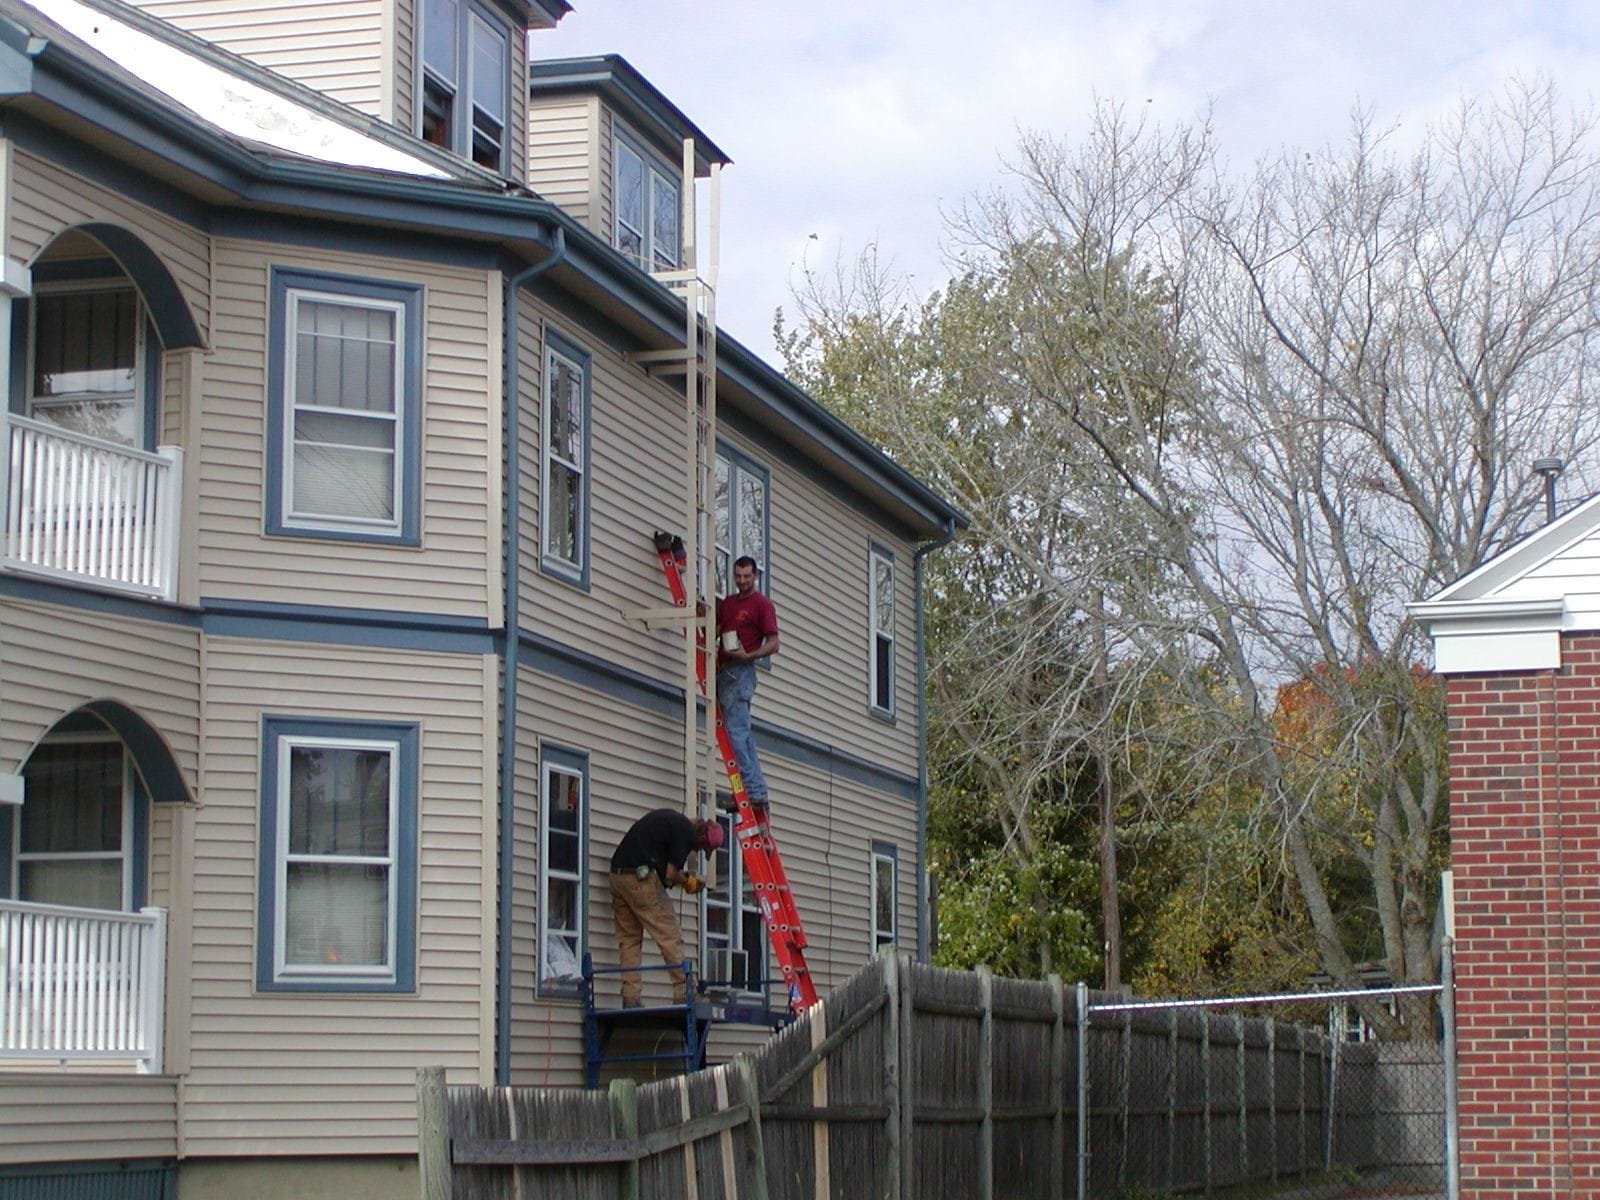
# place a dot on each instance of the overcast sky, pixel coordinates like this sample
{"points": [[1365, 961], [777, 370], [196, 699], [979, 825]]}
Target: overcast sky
{"points": [[856, 121]]}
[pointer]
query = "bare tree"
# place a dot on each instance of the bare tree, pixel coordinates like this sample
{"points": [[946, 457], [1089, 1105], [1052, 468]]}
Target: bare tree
{"points": [[1278, 409]]}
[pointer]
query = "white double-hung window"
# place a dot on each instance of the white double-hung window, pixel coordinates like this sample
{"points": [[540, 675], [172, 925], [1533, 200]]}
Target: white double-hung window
{"points": [[566, 459], [648, 209], [564, 776], [466, 74], [338, 846], [344, 438], [880, 617]]}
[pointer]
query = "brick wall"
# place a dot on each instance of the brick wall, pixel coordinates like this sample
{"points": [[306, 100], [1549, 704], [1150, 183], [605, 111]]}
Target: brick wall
{"points": [[1525, 849]]}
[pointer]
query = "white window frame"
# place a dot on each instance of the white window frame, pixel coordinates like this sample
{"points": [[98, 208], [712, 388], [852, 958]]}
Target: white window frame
{"points": [[123, 856], [576, 569], [293, 518], [36, 403], [566, 764], [659, 186], [882, 852], [880, 703], [282, 970], [758, 960]]}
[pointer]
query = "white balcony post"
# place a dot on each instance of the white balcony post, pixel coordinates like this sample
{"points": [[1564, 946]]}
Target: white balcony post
{"points": [[169, 517], [153, 985]]}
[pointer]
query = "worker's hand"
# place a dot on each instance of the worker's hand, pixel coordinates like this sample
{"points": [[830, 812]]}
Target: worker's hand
{"points": [[692, 884]]}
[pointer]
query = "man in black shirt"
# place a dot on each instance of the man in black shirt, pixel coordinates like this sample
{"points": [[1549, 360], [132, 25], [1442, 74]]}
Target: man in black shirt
{"points": [[651, 858]]}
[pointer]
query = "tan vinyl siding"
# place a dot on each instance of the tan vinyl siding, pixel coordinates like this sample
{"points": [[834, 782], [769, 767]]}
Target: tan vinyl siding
{"points": [[635, 765], [336, 48], [604, 215], [635, 487], [818, 684], [306, 1073], [517, 119], [453, 572], [561, 137], [824, 830], [47, 199], [81, 1118], [405, 65], [55, 660]]}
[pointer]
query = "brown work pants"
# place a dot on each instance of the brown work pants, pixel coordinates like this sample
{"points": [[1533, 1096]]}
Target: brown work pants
{"points": [[637, 905]]}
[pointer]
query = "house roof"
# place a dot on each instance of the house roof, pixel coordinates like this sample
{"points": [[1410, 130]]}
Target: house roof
{"points": [[1509, 613], [650, 113], [359, 172]]}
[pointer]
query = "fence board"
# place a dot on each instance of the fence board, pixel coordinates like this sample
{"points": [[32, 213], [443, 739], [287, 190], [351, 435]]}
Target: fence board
{"points": [[914, 1081]]}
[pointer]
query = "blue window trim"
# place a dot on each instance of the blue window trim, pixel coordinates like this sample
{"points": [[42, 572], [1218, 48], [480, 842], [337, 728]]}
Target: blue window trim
{"points": [[409, 431], [577, 573], [274, 729], [891, 852], [884, 712], [577, 762], [461, 116]]}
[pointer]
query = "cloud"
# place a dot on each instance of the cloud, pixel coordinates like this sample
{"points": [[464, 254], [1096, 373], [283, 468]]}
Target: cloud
{"points": [[860, 122]]}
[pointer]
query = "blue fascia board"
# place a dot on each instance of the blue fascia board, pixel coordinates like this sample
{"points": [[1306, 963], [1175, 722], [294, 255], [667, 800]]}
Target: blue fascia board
{"points": [[616, 80]]}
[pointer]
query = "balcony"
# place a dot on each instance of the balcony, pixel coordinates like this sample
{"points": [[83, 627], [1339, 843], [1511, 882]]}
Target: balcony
{"points": [[89, 512], [81, 985]]}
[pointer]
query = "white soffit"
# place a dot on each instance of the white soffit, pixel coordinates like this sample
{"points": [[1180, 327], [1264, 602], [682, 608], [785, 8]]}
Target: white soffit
{"points": [[234, 105]]}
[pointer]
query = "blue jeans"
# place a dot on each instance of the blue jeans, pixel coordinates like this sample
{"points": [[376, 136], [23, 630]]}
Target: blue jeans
{"points": [[736, 687]]}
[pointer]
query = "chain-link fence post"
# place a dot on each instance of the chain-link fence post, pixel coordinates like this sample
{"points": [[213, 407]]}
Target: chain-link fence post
{"points": [[1452, 1116]]}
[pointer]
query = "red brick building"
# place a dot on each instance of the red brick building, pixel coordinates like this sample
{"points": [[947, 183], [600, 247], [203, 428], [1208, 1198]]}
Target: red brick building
{"points": [[1518, 641]]}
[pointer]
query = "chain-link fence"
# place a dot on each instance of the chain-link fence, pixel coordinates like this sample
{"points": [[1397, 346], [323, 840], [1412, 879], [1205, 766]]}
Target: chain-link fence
{"points": [[1291, 1090]]}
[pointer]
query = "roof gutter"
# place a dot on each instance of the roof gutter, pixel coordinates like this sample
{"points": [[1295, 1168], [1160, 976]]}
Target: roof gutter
{"points": [[924, 923], [511, 650]]}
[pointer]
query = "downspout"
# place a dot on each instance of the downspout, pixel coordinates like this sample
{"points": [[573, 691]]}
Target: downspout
{"points": [[510, 653], [923, 932]]}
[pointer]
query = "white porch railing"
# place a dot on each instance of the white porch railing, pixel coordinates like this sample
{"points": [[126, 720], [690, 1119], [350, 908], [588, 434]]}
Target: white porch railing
{"points": [[80, 509], [80, 983]]}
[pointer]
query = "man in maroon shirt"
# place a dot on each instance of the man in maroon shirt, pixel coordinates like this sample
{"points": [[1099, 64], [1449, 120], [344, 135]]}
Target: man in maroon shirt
{"points": [[751, 617]]}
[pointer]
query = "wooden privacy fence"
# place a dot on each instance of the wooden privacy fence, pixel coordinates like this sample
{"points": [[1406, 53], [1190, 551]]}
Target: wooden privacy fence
{"points": [[912, 1081]]}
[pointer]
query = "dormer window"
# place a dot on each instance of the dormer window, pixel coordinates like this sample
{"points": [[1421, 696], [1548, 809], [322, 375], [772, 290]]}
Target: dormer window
{"points": [[466, 76], [648, 209]]}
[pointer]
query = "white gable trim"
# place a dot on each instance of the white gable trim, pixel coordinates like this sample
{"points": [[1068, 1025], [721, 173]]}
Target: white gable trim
{"points": [[1531, 552], [1473, 636]]}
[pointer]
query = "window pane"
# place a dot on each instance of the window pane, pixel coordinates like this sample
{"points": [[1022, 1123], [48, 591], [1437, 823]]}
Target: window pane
{"points": [[561, 905], [630, 202], [440, 20], [75, 794], [339, 801], [76, 883], [753, 519], [665, 211], [883, 667], [883, 918], [336, 914], [109, 420], [85, 343], [566, 411], [562, 532], [883, 594], [335, 481], [335, 429], [489, 69], [722, 506], [344, 356]]}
